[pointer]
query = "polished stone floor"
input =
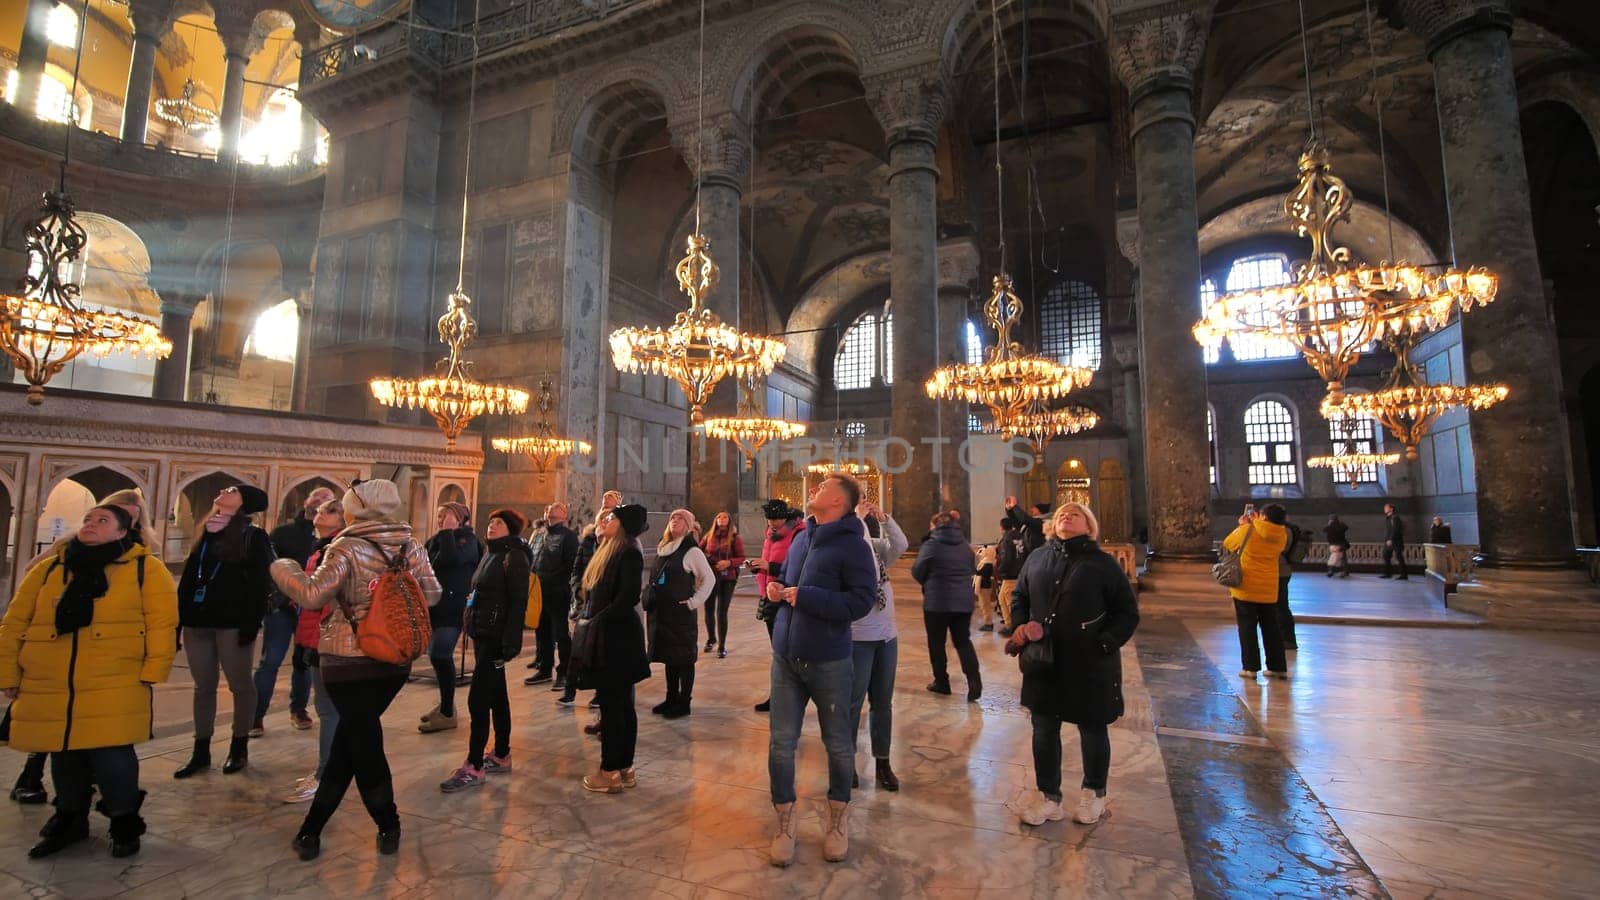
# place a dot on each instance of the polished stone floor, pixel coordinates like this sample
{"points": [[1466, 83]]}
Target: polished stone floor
{"points": [[1411, 762]]}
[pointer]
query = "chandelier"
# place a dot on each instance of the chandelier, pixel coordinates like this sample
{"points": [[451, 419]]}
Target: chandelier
{"points": [[1407, 405], [1010, 382], [454, 398], [543, 447], [698, 350], [1347, 462], [848, 468], [1039, 424], [749, 430], [184, 112]]}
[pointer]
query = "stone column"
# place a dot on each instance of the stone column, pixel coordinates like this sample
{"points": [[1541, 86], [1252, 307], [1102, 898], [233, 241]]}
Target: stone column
{"points": [[234, 31], [585, 357], [1155, 58], [32, 52], [177, 317], [151, 19], [309, 35], [721, 152], [911, 104], [1520, 447], [1125, 350]]}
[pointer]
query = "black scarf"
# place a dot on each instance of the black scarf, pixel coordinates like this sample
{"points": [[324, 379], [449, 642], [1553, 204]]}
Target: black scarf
{"points": [[86, 582]]}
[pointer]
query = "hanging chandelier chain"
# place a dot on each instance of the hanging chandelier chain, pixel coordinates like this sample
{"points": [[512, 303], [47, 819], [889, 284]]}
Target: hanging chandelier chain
{"points": [[700, 120], [466, 167], [1305, 55], [999, 167], [1383, 150]]}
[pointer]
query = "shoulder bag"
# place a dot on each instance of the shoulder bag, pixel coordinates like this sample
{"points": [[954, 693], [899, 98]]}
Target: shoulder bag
{"points": [[1229, 568], [1039, 657]]}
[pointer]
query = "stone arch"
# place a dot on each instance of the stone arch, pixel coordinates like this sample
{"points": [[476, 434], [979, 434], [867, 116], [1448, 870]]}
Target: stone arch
{"points": [[100, 479], [294, 496], [965, 42], [783, 50], [1366, 234], [242, 279], [1578, 91], [608, 106], [117, 264], [191, 500]]}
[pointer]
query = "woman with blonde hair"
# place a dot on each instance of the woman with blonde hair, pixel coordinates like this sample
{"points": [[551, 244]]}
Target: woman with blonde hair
{"points": [[609, 655], [1075, 599], [680, 583]]}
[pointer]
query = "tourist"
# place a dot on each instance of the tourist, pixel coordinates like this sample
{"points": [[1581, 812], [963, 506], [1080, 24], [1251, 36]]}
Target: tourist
{"points": [[495, 620], [132, 502], [1031, 523], [1394, 543], [1337, 533], [454, 552], [1086, 617], [783, 523], [586, 546], [1259, 540], [944, 569], [291, 540], [556, 557], [680, 583], [88, 698], [829, 580], [222, 597], [875, 648], [725, 549], [1439, 531], [1293, 554], [1009, 554], [328, 522], [983, 586], [611, 656], [360, 686]]}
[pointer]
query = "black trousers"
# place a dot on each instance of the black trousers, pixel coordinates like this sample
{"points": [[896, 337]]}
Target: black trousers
{"points": [[619, 727], [1394, 553], [1093, 740], [487, 703], [680, 683], [358, 753], [115, 770], [717, 612], [1285, 616], [1262, 617], [959, 627], [552, 640]]}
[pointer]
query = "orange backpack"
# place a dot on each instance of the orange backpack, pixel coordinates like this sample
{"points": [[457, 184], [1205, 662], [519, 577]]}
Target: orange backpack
{"points": [[396, 629]]}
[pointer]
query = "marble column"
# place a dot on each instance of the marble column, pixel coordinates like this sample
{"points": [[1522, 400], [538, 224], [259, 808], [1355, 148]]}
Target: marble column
{"points": [[585, 358], [32, 52], [1125, 350], [911, 105], [720, 151], [172, 373], [236, 54], [151, 19], [1520, 447], [1155, 58], [309, 36]]}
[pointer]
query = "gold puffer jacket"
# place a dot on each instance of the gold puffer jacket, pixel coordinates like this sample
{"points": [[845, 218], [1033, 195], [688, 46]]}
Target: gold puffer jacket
{"points": [[348, 568]]}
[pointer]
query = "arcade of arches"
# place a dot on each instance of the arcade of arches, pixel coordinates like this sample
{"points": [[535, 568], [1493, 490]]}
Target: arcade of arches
{"points": [[297, 229]]}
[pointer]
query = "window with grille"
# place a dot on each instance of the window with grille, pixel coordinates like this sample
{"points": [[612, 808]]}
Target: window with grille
{"points": [[886, 337], [855, 429], [1355, 435], [1247, 274], [972, 343], [866, 352], [974, 424], [1069, 322], [1270, 435], [1208, 296], [1211, 442]]}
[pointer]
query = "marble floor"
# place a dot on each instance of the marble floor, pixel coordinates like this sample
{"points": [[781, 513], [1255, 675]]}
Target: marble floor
{"points": [[1406, 762]]}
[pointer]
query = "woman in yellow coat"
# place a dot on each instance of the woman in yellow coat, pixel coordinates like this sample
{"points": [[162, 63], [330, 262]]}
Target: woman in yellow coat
{"points": [[90, 630], [1255, 599]]}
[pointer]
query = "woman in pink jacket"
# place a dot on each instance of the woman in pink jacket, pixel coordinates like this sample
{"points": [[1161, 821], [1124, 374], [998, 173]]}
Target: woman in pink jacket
{"points": [[783, 523]]}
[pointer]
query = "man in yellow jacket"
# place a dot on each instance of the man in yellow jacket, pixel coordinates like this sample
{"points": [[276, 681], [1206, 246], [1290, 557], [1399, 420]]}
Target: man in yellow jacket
{"points": [[91, 630], [1259, 540]]}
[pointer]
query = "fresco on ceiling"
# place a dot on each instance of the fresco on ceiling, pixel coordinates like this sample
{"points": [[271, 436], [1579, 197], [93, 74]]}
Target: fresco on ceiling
{"points": [[345, 16]]}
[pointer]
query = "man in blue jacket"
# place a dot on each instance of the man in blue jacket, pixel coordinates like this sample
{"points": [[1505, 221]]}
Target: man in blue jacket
{"points": [[829, 580]]}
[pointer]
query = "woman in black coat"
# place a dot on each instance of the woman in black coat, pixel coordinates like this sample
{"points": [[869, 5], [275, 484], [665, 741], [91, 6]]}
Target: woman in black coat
{"points": [[944, 567], [680, 583], [495, 614], [454, 552], [609, 656], [1083, 595]]}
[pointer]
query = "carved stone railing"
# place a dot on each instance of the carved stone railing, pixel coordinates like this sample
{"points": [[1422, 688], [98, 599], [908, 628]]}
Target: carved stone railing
{"points": [[370, 47], [1364, 555], [1452, 564], [1127, 556]]}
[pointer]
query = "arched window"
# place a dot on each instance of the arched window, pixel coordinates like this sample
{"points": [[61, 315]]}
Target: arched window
{"points": [[1069, 321], [866, 352], [1250, 273], [971, 343], [276, 334], [855, 429], [1270, 435], [1208, 296], [1211, 442], [1355, 435]]}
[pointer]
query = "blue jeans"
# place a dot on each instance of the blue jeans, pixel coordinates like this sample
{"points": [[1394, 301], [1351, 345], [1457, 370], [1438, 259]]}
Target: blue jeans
{"points": [[874, 676], [441, 652], [277, 633], [827, 684], [327, 720]]}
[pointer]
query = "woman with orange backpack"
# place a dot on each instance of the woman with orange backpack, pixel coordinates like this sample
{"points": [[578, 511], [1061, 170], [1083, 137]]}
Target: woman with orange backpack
{"points": [[361, 572]]}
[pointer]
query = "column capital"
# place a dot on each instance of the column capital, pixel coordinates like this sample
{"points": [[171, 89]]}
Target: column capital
{"points": [[720, 148], [151, 18], [1128, 235], [1438, 22], [910, 103], [1155, 53], [1125, 348], [236, 29]]}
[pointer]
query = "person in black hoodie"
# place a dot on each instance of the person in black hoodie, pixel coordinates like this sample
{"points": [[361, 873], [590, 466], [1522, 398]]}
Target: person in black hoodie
{"points": [[291, 540], [494, 618], [555, 563], [222, 597], [1032, 525], [454, 553]]}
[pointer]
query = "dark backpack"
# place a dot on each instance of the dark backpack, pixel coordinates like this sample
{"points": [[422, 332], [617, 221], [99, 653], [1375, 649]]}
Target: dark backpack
{"points": [[1299, 545]]}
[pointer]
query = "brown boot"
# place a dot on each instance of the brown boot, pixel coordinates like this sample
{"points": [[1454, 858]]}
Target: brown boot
{"points": [[782, 852], [836, 843]]}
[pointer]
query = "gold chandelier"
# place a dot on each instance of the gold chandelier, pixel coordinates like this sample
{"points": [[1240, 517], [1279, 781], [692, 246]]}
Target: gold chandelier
{"points": [[1407, 405], [749, 430], [543, 447], [1009, 381], [848, 468], [698, 350], [184, 112], [1040, 424], [1346, 461], [44, 326], [454, 398]]}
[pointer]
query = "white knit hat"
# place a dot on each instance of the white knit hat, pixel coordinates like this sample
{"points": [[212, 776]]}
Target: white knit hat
{"points": [[377, 498]]}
